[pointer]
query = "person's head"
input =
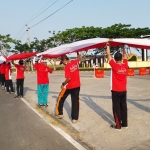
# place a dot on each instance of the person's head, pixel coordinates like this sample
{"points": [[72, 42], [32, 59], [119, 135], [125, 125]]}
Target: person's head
{"points": [[9, 63], [21, 62], [36, 60], [64, 59], [118, 56]]}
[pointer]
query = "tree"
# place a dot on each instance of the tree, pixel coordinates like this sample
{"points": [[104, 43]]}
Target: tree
{"points": [[114, 31], [5, 41], [75, 34]]}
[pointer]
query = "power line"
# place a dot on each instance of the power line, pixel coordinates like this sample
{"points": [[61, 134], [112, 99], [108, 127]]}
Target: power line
{"points": [[43, 11], [30, 21], [22, 35], [51, 14], [38, 11], [20, 32]]}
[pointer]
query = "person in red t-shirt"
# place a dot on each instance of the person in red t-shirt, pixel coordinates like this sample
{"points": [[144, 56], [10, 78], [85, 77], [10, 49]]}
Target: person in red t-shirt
{"points": [[119, 67], [70, 86], [42, 81], [8, 78], [3, 68], [20, 68]]}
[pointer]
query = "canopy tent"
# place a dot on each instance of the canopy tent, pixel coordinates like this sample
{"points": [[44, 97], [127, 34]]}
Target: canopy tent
{"points": [[21, 56], [2, 59], [84, 45]]}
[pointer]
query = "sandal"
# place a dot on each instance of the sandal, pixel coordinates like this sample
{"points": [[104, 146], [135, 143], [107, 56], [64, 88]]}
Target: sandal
{"points": [[45, 105]]}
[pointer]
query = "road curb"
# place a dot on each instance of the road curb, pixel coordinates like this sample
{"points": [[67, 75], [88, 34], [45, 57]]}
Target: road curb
{"points": [[61, 121], [67, 126]]}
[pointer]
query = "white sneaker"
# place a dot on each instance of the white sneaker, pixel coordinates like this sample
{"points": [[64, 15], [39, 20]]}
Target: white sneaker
{"points": [[114, 127], [59, 116], [74, 121]]}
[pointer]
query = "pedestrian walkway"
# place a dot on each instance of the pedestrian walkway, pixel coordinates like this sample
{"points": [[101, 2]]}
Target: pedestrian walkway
{"points": [[96, 116]]}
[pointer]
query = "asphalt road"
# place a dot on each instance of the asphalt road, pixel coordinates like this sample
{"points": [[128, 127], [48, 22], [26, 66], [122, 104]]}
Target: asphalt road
{"points": [[22, 129]]}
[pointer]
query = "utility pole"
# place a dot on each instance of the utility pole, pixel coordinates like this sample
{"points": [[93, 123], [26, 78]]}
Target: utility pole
{"points": [[28, 35], [31, 65]]}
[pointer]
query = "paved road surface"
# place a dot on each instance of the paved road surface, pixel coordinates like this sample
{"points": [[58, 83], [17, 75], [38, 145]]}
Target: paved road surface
{"points": [[23, 129], [93, 127]]}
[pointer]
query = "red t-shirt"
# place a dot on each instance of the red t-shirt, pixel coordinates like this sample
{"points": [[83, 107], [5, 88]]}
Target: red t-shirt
{"points": [[20, 71], [118, 75], [72, 72], [42, 73], [3, 68], [8, 73]]}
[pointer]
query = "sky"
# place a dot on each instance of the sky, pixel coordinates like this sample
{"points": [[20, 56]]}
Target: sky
{"points": [[15, 14]]}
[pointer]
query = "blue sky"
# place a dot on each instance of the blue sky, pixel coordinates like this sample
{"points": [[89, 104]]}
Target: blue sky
{"points": [[14, 14]]}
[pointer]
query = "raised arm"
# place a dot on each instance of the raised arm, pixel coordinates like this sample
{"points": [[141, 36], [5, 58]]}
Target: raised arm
{"points": [[78, 56], [124, 54], [108, 51], [34, 60], [13, 62]]}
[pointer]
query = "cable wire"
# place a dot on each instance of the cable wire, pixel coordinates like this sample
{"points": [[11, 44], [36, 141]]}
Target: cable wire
{"points": [[20, 32], [22, 35], [43, 11], [38, 11], [31, 20], [51, 14]]}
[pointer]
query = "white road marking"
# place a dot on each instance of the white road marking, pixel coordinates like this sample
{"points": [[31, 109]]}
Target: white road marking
{"points": [[61, 132]]}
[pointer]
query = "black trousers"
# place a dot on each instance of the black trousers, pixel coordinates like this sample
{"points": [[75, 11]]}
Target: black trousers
{"points": [[9, 86], [0, 79], [74, 100], [120, 108], [20, 83], [3, 79]]}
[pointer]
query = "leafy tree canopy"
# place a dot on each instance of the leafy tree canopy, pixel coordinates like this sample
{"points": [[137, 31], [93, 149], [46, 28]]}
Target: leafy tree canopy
{"points": [[76, 34]]}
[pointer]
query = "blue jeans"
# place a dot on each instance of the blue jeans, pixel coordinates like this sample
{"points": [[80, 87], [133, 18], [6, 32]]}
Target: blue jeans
{"points": [[42, 93]]}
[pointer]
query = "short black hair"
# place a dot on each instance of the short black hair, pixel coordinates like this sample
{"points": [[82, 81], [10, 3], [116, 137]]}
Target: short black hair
{"points": [[118, 56], [21, 62], [62, 58]]}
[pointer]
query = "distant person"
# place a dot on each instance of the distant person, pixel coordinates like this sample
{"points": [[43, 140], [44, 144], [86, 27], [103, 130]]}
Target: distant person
{"points": [[8, 78], [20, 69], [70, 86], [119, 67], [42, 82], [3, 69]]}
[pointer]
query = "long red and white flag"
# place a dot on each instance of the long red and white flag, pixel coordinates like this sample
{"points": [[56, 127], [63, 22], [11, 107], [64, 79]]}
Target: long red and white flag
{"points": [[84, 45], [21, 56], [2, 59]]}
